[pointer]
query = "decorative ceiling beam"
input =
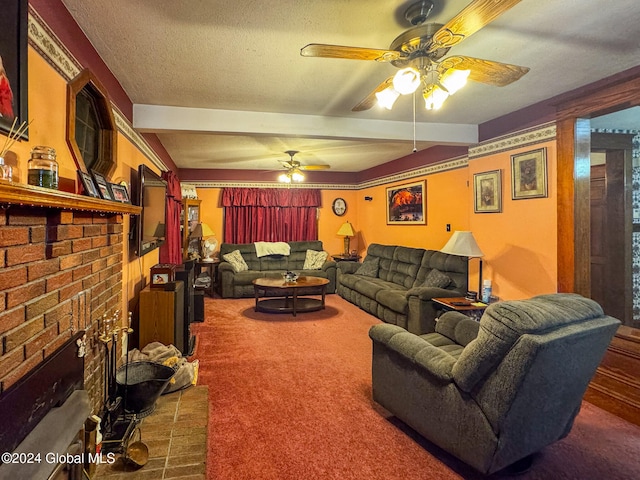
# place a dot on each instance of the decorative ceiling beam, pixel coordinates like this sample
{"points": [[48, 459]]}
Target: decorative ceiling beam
{"points": [[165, 119]]}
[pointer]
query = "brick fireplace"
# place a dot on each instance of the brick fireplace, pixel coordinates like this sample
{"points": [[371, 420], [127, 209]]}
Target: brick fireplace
{"points": [[62, 260]]}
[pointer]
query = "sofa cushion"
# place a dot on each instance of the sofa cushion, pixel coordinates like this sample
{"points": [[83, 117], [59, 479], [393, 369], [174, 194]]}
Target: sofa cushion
{"points": [[314, 260], [369, 267], [236, 261], [436, 278], [395, 300]]}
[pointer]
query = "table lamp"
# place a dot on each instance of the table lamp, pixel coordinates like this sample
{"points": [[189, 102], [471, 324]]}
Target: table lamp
{"points": [[209, 244], [347, 230], [463, 244]]}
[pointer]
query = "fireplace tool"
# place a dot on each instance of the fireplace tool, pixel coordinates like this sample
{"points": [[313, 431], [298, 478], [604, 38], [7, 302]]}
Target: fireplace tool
{"points": [[118, 427]]}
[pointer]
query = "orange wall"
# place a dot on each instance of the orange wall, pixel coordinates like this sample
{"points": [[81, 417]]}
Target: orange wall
{"points": [[519, 244], [328, 222], [47, 111]]}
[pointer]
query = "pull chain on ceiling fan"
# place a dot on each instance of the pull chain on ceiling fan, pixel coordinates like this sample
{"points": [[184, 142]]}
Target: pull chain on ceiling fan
{"points": [[419, 54]]}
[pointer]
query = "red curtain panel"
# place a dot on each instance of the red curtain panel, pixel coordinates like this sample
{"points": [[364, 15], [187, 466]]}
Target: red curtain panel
{"points": [[171, 250]]}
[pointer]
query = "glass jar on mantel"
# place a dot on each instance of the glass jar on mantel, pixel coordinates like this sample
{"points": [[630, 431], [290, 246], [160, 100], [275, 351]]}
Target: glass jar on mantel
{"points": [[43, 168]]}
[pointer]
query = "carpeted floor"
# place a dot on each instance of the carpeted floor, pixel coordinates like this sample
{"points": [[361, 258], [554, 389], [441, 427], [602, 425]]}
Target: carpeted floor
{"points": [[290, 398]]}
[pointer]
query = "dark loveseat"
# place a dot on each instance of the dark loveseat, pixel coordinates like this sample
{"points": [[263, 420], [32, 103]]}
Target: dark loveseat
{"points": [[396, 294], [234, 284]]}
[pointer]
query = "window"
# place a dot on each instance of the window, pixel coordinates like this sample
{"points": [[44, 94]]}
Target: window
{"points": [[91, 130]]}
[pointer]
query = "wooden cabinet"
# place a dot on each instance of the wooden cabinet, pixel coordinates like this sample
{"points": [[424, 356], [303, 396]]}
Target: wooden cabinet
{"points": [[162, 317], [190, 218]]}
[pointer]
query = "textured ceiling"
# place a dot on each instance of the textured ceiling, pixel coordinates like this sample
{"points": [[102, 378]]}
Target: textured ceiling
{"points": [[244, 56]]}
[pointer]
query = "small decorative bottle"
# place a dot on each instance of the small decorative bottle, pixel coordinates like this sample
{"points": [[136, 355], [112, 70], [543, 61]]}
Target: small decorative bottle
{"points": [[43, 168], [6, 171], [486, 291]]}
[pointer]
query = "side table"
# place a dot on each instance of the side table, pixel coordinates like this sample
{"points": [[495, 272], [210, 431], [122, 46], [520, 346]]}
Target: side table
{"points": [[470, 308], [346, 258], [212, 268]]}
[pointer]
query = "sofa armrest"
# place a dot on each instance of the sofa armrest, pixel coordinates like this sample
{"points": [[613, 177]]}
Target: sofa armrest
{"points": [[348, 267], [427, 293], [422, 310], [457, 327], [431, 360], [328, 265]]}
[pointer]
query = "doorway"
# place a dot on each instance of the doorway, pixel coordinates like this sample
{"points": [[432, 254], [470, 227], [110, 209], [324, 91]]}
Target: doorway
{"points": [[611, 220]]}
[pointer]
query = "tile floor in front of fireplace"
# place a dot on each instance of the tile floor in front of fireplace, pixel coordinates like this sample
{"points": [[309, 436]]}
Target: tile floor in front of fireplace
{"points": [[176, 435]]}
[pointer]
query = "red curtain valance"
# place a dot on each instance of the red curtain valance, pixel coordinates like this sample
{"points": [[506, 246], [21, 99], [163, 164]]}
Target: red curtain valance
{"points": [[270, 197]]}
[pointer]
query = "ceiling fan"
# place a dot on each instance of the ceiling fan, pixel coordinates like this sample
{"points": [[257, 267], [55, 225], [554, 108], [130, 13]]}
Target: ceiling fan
{"points": [[294, 168], [419, 54]]}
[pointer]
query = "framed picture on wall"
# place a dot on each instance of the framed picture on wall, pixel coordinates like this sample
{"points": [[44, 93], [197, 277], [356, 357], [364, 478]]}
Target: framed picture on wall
{"points": [[529, 174], [487, 192], [13, 65], [407, 204]]}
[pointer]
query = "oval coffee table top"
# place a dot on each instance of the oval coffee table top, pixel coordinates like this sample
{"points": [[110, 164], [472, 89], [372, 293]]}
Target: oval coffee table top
{"points": [[299, 283]]}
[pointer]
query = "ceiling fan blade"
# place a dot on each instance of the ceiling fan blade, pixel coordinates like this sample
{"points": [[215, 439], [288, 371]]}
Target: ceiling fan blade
{"points": [[350, 53], [315, 167], [485, 71], [370, 100], [470, 19]]}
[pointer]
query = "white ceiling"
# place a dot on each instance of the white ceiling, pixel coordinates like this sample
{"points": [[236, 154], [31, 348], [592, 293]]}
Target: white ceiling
{"points": [[228, 64]]}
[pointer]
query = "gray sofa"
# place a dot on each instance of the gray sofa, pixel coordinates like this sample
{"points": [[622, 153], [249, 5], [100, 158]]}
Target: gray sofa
{"points": [[396, 294], [494, 392], [232, 284]]}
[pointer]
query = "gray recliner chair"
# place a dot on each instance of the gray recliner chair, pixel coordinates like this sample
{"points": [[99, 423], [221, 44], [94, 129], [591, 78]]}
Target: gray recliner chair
{"points": [[495, 392]]}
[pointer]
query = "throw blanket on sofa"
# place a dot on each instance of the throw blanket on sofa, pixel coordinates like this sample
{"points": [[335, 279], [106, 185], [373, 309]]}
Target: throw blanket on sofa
{"points": [[272, 248]]}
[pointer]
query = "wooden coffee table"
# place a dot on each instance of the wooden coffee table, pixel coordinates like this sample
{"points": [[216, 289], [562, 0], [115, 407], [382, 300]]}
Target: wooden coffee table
{"points": [[289, 297]]}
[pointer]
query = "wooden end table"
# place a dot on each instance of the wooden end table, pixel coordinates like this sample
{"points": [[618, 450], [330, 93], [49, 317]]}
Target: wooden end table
{"points": [[346, 258], [460, 304], [289, 297]]}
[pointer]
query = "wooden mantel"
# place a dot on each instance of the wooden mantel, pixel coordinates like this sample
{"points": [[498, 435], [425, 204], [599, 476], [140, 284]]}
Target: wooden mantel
{"points": [[31, 196]]}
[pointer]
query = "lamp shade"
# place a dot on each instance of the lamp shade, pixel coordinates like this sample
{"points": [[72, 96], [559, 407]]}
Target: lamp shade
{"points": [[206, 230], [347, 230], [197, 231], [463, 244]]}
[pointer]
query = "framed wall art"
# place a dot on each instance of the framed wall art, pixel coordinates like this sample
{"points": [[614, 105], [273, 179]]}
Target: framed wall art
{"points": [[13, 65], [407, 204], [487, 192], [529, 174]]}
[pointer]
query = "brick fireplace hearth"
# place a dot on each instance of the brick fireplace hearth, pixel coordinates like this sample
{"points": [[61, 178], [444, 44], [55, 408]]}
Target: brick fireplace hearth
{"points": [[62, 258]]}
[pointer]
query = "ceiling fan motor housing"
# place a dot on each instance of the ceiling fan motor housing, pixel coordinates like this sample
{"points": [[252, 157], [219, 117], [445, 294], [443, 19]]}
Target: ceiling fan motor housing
{"points": [[418, 12], [414, 43]]}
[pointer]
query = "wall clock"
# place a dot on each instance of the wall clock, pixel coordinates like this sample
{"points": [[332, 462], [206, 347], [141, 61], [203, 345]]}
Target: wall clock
{"points": [[339, 206]]}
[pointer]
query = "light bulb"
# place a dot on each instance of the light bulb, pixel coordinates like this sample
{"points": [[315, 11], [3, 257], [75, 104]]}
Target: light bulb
{"points": [[284, 178], [387, 97], [454, 80], [434, 97], [297, 177], [406, 80]]}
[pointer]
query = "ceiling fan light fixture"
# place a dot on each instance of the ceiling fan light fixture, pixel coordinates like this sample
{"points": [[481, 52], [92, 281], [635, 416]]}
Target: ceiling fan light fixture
{"points": [[297, 176], [406, 81], [434, 97], [454, 80], [387, 97], [284, 178]]}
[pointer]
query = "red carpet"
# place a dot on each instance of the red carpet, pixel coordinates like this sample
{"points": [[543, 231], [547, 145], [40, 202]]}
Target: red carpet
{"points": [[290, 398]]}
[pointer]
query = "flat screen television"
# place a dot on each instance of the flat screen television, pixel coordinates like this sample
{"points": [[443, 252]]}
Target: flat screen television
{"points": [[152, 194]]}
